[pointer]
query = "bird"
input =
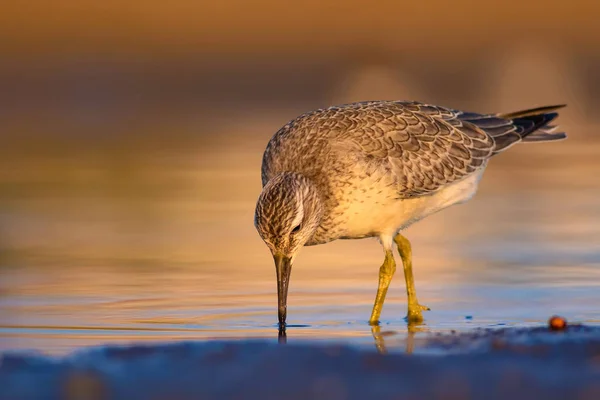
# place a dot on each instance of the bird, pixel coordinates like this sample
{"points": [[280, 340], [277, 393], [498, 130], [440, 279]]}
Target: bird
{"points": [[372, 169]]}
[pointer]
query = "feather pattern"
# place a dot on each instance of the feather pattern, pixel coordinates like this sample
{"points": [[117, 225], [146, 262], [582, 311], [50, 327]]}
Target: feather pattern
{"points": [[420, 147]]}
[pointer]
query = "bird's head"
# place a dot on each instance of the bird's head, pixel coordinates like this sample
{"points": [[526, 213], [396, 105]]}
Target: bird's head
{"points": [[287, 215]]}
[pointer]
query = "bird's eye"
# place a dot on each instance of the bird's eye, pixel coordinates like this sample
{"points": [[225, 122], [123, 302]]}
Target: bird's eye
{"points": [[296, 229]]}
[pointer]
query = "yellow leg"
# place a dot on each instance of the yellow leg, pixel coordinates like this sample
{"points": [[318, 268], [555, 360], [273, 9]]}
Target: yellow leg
{"points": [[386, 272], [414, 308]]}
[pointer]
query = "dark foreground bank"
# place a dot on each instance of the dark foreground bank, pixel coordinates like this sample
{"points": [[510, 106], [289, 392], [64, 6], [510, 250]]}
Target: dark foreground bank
{"points": [[532, 363]]}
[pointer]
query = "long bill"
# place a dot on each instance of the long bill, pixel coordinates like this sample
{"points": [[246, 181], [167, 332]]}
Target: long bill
{"points": [[283, 266]]}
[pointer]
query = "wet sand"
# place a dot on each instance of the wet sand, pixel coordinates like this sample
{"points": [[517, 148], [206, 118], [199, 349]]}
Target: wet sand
{"points": [[516, 363]]}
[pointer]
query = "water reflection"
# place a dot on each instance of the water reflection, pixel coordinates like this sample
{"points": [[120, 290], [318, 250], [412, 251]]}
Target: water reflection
{"points": [[282, 336], [168, 252], [412, 329]]}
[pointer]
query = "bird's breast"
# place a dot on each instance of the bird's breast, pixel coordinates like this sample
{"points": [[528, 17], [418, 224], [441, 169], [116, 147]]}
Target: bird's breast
{"points": [[366, 209]]}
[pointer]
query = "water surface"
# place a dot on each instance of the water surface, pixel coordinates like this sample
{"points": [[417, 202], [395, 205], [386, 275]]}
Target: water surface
{"points": [[158, 244]]}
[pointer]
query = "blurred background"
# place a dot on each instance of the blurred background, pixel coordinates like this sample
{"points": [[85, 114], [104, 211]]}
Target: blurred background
{"points": [[132, 135]]}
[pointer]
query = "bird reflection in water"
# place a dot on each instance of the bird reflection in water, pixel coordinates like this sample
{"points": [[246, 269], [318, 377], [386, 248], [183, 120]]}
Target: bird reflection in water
{"points": [[411, 330], [282, 336], [379, 336]]}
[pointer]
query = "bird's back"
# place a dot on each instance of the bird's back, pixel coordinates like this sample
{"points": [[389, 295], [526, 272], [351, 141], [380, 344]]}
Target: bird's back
{"points": [[424, 147]]}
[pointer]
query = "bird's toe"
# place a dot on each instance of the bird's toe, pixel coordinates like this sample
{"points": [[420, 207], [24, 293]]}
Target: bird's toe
{"points": [[415, 312]]}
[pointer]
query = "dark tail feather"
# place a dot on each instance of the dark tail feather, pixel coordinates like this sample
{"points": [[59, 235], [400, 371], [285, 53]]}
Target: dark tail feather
{"points": [[545, 134], [531, 112], [529, 126], [544, 137]]}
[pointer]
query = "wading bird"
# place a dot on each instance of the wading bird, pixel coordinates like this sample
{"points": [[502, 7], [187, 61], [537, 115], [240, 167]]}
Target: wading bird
{"points": [[371, 169]]}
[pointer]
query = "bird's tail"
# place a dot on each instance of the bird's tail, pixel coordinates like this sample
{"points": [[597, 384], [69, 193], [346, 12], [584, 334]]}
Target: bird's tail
{"points": [[532, 125]]}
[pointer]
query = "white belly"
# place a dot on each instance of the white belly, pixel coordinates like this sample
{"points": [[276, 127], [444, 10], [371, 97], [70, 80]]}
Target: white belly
{"points": [[373, 217]]}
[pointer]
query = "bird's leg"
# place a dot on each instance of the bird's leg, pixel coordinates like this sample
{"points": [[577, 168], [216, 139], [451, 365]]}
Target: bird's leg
{"points": [[414, 308], [385, 277]]}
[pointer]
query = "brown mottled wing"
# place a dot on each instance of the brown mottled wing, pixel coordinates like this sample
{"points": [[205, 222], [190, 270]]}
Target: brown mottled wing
{"points": [[425, 147], [428, 147]]}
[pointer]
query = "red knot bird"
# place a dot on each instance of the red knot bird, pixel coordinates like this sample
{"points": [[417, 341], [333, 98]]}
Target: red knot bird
{"points": [[371, 169]]}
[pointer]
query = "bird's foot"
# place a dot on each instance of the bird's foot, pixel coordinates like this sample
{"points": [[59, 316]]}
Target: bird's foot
{"points": [[415, 312]]}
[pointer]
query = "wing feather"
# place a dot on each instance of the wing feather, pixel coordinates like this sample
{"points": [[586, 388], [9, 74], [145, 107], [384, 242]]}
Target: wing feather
{"points": [[422, 147], [427, 147]]}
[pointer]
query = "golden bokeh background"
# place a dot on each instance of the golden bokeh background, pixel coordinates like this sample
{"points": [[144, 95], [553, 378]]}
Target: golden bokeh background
{"points": [[105, 103]]}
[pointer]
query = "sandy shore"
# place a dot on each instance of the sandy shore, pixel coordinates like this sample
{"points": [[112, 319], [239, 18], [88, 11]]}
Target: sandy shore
{"points": [[524, 363]]}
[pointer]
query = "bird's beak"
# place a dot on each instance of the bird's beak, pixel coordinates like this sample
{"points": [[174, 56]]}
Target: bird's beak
{"points": [[283, 266]]}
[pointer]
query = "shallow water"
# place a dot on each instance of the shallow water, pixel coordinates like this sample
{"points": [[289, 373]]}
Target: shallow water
{"points": [[159, 245]]}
